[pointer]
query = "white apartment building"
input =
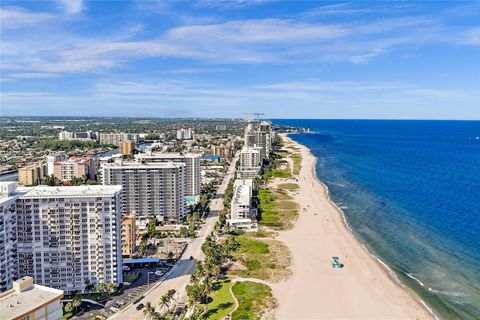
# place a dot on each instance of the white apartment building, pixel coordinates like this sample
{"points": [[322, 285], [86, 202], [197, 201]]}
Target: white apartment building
{"points": [[250, 157], [8, 236], [68, 236], [150, 189], [193, 175], [51, 159], [185, 134], [242, 199], [250, 163], [116, 138], [242, 215], [67, 135], [27, 300], [260, 135]]}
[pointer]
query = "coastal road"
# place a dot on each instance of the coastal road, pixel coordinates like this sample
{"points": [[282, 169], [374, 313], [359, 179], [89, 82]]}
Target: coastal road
{"points": [[179, 276]]}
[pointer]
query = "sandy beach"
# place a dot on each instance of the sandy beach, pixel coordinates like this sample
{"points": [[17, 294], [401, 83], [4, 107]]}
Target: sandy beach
{"points": [[363, 289]]}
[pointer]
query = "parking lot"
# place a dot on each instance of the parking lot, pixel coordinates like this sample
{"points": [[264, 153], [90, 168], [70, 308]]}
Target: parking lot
{"points": [[147, 279]]}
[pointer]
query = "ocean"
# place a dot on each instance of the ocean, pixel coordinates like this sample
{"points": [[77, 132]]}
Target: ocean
{"points": [[410, 191]]}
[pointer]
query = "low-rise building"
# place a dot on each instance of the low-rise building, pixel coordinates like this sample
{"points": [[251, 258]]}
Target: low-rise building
{"points": [[116, 138], [81, 167], [27, 300], [52, 158], [220, 150], [32, 174], [127, 147]]}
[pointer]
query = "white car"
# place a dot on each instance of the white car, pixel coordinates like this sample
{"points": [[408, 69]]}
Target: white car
{"points": [[159, 273], [126, 268]]}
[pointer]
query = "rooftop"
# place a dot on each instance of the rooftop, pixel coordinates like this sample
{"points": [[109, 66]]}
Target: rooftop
{"points": [[67, 191], [137, 165], [242, 194], [26, 297], [167, 155]]}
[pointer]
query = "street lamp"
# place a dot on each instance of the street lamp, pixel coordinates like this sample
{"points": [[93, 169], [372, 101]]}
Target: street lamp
{"points": [[148, 279]]}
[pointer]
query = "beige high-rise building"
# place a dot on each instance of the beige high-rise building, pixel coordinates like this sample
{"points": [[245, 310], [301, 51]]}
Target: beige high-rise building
{"points": [[32, 174], [129, 235], [150, 189], [127, 147]]}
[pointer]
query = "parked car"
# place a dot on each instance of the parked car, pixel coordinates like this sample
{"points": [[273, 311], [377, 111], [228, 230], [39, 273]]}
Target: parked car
{"points": [[159, 272], [126, 268], [140, 306]]}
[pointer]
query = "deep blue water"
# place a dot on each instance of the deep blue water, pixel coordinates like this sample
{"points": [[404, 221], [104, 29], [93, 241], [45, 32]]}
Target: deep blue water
{"points": [[410, 190]]}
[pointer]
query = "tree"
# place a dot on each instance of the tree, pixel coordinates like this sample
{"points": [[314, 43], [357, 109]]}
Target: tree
{"points": [[195, 293], [89, 287], [151, 227], [68, 307], [183, 232], [76, 302], [111, 287], [142, 247], [170, 256], [151, 313], [165, 301]]}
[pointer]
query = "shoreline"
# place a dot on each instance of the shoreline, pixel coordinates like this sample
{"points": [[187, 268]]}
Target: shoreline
{"points": [[398, 295]]}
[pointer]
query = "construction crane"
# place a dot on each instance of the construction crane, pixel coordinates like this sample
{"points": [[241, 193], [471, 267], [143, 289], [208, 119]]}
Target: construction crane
{"points": [[256, 114]]}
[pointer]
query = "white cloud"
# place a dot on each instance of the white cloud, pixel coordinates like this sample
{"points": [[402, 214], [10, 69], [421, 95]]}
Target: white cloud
{"points": [[71, 6], [33, 75], [229, 4], [16, 18], [249, 41]]}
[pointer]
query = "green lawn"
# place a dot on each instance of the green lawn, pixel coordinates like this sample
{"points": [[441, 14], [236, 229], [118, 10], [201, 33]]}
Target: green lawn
{"points": [[297, 163], [263, 259], [222, 301], [279, 173], [277, 211], [282, 154], [288, 186], [253, 299], [130, 278]]}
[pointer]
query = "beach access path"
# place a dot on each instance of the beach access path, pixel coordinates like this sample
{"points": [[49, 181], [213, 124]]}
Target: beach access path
{"points": [[363, 289]]}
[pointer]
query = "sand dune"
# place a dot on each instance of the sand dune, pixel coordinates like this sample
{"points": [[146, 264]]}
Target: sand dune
{"points": [[363, 289]]}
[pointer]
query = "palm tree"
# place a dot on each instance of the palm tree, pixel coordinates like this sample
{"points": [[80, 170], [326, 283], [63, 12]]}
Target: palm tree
{"points": [[68, 307], [150, 312], [165, 301], [110, 287], [76, 302]]}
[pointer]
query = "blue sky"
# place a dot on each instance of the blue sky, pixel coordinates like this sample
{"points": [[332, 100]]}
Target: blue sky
{"points": [[390, 60]]}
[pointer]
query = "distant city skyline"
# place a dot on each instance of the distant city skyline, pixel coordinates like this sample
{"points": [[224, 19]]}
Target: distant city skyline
{"points": [[318, 59]]}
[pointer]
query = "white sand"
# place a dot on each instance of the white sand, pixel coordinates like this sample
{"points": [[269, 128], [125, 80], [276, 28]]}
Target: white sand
{"points": [[363, 289]]}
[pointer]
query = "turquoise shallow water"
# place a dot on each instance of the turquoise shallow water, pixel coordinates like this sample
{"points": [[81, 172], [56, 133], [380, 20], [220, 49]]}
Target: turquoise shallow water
{"points": [[410, 190]]}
